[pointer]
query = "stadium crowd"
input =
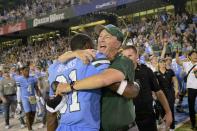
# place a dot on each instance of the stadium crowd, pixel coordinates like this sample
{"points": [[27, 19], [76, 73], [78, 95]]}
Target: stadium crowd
{"points": [[34, 8], [35, 53], [164, 38]]}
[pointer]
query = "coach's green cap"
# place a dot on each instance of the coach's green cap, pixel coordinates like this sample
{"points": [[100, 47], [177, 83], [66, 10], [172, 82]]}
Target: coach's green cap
{"points": [[112, 29]]}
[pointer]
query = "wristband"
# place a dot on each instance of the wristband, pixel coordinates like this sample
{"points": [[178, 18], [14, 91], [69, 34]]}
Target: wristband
{"points": [[122, 87], [137, 85]]}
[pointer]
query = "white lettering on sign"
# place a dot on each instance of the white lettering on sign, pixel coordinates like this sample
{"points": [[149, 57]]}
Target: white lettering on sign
{"points": [[49, 19]]}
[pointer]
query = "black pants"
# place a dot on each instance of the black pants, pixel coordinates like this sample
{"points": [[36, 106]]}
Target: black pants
{"points": [[172, 126], [30, 119], [52, 121], [147, 124], [10, 100], [7, 112], [44, 115], [192, 93]]}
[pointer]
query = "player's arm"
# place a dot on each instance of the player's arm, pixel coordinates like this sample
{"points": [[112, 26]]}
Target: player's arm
{"points": [[129, 90], [178, 61], [85, 55]]}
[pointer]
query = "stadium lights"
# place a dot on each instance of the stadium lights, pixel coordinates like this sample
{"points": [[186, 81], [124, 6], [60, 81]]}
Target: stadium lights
{"points": [[88, 25], [75, 32], [39, 39]]}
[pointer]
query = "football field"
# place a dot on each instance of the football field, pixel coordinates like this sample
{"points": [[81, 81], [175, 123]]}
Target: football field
{"points": [[182, 122]]}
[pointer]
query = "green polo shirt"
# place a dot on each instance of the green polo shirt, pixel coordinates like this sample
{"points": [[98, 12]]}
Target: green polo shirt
{"points": [[118, 111]]}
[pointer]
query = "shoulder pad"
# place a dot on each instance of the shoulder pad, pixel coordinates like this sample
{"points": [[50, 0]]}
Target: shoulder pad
{"points": [[100, 61]]}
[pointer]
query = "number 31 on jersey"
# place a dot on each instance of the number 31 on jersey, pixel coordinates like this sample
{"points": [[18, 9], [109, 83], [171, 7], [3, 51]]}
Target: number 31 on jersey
{"points": [[75, 105]]}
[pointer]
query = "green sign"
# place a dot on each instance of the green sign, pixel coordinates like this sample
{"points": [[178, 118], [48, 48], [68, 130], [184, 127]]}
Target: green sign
{"points": [[60, 15]]}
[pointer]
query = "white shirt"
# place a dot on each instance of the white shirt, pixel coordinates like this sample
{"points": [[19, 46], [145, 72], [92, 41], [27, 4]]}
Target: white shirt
{"points": [[191, 79]]}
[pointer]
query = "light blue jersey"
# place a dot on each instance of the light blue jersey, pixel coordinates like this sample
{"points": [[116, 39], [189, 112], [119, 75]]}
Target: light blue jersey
{"points": [[56, 73], [83, 107], [27, 89]]}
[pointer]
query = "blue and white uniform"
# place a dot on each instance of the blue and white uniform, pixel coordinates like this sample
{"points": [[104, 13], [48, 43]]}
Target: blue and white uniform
{"points": [[83, 107], [27, 89]]}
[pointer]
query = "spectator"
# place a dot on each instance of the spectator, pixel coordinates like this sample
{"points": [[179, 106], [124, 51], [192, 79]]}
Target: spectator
{"points": [[168, 83], [8, 95], [145, 116], [191, 83]]}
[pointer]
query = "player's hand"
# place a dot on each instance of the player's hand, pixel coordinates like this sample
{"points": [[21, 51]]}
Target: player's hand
{"points": [[62, 89], [168, 119], [86, 55]]}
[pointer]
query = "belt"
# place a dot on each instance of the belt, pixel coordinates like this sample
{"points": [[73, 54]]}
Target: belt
{"points": [[125, 128], [10, 95]]}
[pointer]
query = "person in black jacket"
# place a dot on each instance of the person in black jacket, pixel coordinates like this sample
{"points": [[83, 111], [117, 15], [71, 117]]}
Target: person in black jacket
{"points": [[167, 81], [145, 116]]}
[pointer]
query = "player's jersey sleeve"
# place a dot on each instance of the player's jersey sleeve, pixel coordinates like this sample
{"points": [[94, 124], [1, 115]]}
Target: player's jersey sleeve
{"points": [[51, 70], [53, 67], [101, 62]]}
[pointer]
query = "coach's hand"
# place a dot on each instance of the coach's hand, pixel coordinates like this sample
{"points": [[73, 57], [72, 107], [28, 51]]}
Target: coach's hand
{"points": [[62, 89]]}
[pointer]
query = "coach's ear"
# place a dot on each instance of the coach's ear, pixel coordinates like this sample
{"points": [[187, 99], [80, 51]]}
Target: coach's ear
{"points": [[120, 50]]}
